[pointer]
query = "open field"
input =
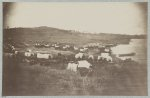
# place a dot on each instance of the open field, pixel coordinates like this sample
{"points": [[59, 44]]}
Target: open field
{"points": [[124, 78]]}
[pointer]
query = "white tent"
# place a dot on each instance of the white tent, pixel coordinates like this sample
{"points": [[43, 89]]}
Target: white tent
{"points": [[74, 66], [84, 63]]}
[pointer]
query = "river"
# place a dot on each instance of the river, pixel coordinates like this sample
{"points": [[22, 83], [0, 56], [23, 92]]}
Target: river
{"points": [[138, 46]]}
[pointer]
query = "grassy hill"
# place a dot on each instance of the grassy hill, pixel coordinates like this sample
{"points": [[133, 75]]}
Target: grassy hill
{"points": [[49, 35]]}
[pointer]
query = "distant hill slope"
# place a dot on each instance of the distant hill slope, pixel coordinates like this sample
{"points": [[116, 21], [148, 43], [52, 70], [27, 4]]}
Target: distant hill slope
{"points": [[49, 34]]}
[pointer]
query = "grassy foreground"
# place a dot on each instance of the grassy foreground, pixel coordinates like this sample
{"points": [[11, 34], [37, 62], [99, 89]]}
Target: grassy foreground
{"points": [[124, 78]]}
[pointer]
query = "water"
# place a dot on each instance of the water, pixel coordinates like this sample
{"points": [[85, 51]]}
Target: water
{"points": [[138, 46]]}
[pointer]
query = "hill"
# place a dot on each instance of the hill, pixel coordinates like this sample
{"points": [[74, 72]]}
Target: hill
{"points": [[51, 35]]}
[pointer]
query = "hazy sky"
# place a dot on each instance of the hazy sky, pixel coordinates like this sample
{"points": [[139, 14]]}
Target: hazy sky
{"points": [[122, 18]]}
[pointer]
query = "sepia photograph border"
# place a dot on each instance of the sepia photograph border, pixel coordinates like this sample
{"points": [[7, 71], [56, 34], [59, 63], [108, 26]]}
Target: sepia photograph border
{"points": [[148, 48]]}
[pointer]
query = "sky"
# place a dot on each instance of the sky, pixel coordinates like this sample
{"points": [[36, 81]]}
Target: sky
{"points": [[98, 17]]}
